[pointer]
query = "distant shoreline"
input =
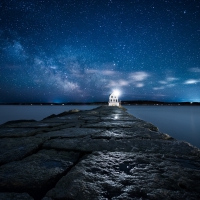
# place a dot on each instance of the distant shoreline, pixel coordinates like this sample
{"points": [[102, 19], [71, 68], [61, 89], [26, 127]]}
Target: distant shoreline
{"points": [[152, 103]]}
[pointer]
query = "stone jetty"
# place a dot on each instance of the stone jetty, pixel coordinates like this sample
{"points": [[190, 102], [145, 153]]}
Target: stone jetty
{"points": [[98, 154]]}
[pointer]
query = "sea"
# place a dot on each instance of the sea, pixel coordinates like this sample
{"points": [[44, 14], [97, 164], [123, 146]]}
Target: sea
{"points": [[180, 122]]}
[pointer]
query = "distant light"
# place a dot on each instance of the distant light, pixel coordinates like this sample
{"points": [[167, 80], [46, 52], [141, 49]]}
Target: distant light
{"points": [[116, 92]]}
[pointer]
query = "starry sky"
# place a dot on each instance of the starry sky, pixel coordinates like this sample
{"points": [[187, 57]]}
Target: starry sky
{"points": [[81, 50]]}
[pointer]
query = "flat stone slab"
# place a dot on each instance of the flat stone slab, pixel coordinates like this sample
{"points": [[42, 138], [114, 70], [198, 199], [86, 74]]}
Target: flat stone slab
{"points": [[88, 144], [12, 149], [118, 117], [36, 173], [70, 133], [120, 124], [123, 175], [111, 124], [135, 132], [62, 119], [31, 125], [17, 132], [15, 196]]}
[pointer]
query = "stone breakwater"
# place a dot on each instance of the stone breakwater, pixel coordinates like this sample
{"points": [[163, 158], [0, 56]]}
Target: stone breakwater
{"points": [[104, 153]]}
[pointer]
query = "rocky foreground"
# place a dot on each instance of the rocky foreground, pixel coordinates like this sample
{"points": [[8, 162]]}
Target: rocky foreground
{"points": [[104, 153]]}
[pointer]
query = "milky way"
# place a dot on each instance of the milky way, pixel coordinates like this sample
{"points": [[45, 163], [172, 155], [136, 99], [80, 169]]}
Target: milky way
{"points": [[82, 50]]}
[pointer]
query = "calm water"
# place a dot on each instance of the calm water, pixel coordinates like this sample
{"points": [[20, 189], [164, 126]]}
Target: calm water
{"points": [[180, 122], [8, 113]]}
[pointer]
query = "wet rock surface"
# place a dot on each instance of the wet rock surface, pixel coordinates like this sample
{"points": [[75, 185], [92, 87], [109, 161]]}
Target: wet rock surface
{"points": [[15, 196], [12, 149], [124, 175], [36, 173], [104, 153]]}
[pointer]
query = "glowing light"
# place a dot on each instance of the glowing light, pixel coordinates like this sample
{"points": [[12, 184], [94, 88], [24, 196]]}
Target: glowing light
{"points": [[116, 92]]}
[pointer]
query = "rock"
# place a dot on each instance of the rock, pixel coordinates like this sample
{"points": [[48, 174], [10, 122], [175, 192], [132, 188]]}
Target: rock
{"points": [[137, 132], [17, 121], [32, 125], [110, 124], [123, 175], [104, 153], [90, 144], [70, 133], [62, 118], [74, 111], [12, 149], [61, 124], [37, 173], [17, 132], [15, 196], [63, 114], [118, 121], [55, 116], [118, 117]]}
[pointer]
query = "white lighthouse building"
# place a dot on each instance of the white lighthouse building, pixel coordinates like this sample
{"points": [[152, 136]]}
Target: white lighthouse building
{"points": [[113, 99]]}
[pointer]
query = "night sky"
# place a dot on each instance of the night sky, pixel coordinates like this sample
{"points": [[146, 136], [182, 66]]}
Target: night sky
{"points": [[81, 50]]}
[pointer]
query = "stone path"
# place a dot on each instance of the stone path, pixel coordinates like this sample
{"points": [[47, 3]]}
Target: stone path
{"points": [[104, 153]]}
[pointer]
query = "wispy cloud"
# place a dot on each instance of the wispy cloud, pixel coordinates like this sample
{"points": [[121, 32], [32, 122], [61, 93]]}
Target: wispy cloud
{"points": [[135, 79], [138, 76], [139, 85], [170, 79], [168, 82], [163, 82], [192, 81], [171, 85], [159, 88], [195, 69]]}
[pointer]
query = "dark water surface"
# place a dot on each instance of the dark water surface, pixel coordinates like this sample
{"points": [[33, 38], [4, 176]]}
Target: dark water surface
{"points": [[180, 122], [8, 113]]}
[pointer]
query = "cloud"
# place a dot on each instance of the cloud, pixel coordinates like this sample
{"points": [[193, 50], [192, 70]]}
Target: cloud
{"points": [[170, 79], [53, 67], [123, 82], [159, 88], [195, 69], [163, 82], [192, 81], [138, 76], [167, 83], [139, 85], [170, 85]]}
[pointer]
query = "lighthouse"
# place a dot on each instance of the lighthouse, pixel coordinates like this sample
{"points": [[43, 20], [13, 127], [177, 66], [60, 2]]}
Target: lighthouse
{"points": [[113, 99]]}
